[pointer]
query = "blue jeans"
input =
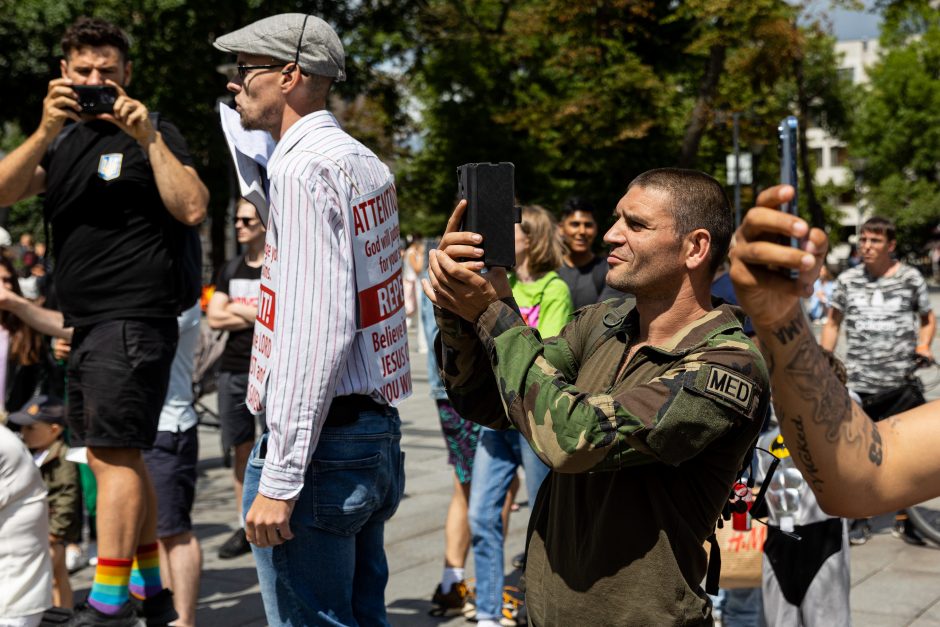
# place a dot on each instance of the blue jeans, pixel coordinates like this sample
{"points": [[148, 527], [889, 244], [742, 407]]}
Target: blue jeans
{"points": [[499, 454], [334, 571], [429, 325], [743, 607]]}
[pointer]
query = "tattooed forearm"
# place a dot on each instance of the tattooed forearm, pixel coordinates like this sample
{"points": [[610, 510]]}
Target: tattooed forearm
{"points": [[802, 452], [791, 329], [815, 401], [876, 450], [831, 406]]}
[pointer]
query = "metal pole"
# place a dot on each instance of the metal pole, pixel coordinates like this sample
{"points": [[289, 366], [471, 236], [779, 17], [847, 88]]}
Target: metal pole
{"points": [[737, 171]]}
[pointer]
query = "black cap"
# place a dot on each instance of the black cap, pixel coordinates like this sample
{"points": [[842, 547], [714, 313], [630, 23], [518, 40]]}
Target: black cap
{"points": [[40, 408]]}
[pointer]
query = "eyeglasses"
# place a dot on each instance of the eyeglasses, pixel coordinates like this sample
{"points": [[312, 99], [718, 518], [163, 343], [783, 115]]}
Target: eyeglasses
{"points": [[243, 70], [246, 221]]}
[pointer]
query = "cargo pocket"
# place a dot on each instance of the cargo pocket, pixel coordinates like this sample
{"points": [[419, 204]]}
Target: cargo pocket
{"points": [[345, 493]]}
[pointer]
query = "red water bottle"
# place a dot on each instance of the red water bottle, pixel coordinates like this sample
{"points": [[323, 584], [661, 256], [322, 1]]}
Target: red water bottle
{"points": [[741, 507]]}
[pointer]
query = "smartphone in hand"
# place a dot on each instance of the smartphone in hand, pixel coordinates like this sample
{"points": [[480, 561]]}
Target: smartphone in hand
{"points": [[788, 136], [489, 189]]}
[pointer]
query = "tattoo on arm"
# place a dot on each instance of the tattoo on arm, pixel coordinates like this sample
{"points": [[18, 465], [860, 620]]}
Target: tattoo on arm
{"points": [[876, 450], [802, 451], [788, 331], [827, 403]]}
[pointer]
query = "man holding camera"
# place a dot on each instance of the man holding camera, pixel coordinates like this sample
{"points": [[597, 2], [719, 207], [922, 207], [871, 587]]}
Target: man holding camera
{"points": [[645, 413], [322, 482], [119, 191]]}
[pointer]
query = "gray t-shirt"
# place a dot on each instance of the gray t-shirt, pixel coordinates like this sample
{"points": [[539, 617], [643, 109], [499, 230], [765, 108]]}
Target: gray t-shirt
{"points": [[882, 321]]}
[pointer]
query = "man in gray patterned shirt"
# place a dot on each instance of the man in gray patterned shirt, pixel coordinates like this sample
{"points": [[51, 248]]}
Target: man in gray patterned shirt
{"points": [[888, 317]]}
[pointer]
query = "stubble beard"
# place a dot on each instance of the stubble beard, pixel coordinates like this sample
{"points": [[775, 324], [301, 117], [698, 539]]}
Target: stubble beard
{"points": [[268, 119]]}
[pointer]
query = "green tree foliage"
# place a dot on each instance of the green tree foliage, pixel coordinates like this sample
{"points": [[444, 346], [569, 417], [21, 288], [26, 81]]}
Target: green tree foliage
{"points": [[897, 126], [584, 96], [581, 96], [175, 67]]}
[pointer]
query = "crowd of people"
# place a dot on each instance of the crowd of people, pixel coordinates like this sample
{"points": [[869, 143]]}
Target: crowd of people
{"points": [[629, 389]]}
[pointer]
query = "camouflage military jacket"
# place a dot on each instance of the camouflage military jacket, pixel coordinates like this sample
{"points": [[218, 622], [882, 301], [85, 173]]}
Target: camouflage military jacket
{"points": [[644, 453]]}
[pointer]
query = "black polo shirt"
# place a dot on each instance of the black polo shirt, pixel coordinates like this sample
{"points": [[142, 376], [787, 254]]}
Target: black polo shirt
{"points": [[117, 249]]}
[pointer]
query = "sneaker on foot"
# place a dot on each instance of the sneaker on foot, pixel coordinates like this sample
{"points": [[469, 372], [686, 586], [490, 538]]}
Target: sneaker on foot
{"points": [[859, 532], [513, 602], [905, 530], [74, 558], [158, 610], [459, 600], [236, 545], [87, 616]]}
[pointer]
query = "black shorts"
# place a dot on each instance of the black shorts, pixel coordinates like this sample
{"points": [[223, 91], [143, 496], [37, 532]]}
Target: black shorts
{"points": [[237, 423], [172, 467], [118, 376]]}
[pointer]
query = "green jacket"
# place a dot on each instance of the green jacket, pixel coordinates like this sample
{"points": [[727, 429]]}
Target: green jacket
{"points": [[643, 461], [65, 493]]}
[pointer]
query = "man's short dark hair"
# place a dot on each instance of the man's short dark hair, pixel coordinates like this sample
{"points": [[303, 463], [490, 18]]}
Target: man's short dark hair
{"points": [[575, 204], [94, 32], [698, 202], [880, 226]]}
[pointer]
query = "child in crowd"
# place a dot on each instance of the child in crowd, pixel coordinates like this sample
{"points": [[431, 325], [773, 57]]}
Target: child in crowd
{"points": [[42, 424]]}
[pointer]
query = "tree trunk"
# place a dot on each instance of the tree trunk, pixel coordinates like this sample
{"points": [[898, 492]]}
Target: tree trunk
{"points": [[700, 113]]}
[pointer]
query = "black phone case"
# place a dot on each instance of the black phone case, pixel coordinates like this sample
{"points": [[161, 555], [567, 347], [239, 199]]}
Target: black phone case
{"points": [[96, 99], [489, 189]]}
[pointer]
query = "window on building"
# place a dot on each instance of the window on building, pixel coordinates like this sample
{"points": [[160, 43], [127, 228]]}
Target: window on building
{"points": [[818, 157], [846, 74], [847, 197], [838, 157]]}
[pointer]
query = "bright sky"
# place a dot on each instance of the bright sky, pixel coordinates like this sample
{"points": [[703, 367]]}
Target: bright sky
{"points": [[851, 24]]}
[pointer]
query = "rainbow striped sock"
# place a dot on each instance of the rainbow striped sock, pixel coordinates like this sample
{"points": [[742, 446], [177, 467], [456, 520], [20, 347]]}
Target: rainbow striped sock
{"points": [[109, 590], [145, 578]]}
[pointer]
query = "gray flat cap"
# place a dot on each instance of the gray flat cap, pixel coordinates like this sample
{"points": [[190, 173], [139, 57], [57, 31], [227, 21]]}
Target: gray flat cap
{"points": [[321, 51]]}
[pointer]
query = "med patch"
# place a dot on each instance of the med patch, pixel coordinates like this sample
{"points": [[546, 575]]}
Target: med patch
{"points": [[729, 386]]}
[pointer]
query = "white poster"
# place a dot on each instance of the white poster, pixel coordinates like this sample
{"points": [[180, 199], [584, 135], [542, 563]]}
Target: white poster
{"points": [[376, 245]]}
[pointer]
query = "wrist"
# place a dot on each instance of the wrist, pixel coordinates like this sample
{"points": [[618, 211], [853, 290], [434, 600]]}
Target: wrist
{"points": [[785, 328], [46, 134], [148, 140]]}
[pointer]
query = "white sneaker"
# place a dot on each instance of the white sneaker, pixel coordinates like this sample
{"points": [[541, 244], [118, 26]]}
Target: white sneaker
{"points": [[74, 559]]}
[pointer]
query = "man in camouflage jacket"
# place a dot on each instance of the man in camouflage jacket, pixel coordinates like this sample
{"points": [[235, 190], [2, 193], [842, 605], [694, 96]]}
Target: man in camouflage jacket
{"points": [[645, 414]]}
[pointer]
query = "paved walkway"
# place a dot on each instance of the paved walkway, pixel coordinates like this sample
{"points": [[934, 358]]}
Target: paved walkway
{"points": [[892, 583]]}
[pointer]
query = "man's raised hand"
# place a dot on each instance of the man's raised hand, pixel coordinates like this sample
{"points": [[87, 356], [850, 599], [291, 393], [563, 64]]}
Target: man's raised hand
{"points": [[131, 116], [457, 285], [60, 104], [759, 263]]}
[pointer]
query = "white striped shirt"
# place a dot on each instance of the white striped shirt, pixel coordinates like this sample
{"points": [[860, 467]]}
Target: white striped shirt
{"points": [[315, 172]]}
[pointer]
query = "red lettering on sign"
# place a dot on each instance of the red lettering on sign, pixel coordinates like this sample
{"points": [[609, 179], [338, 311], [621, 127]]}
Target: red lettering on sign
{"points": [[381, 301], [266, 307]]}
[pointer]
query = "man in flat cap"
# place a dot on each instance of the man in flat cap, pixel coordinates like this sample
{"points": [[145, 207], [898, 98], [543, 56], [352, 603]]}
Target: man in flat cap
{"points": [[329, 355]]}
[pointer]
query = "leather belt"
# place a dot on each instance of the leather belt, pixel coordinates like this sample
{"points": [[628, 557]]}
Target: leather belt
{"points": [[345, 410]]}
